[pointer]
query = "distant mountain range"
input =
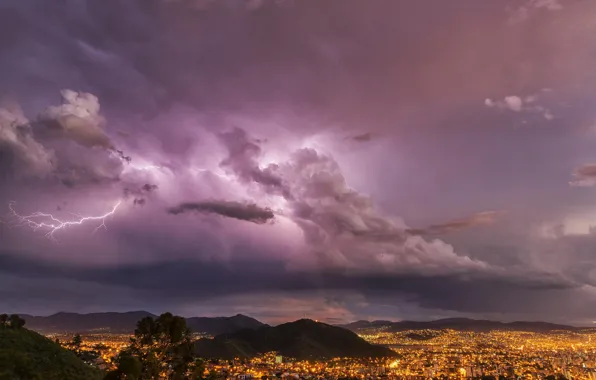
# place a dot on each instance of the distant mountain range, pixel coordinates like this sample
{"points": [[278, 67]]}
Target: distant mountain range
{"points": [[126, 323], [302, 339], [460, 324]]}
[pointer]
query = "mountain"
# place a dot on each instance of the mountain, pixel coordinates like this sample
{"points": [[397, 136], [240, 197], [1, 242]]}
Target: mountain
{"points": [[222, 325], [461, 324], [25, 354], [85, 323], [126, 323], [303, 339]]}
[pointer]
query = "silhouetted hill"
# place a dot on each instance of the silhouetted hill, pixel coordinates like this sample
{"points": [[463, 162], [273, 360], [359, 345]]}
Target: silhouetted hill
{"points": [[222, 325], [461, 324], [303, 339], [126, 323], [25, 354]]}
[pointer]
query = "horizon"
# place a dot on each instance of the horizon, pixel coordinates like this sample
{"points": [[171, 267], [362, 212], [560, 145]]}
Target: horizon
{"points": [[396, 160], [306, 318]]}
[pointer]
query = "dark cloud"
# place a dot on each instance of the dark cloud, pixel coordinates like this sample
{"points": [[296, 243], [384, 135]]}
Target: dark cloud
{"points": [[200, 281], [364, 137], [244, 153], [249, 212], [140, 193]]}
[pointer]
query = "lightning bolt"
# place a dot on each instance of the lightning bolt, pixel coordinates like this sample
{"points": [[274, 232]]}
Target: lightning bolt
{"points": [[43, 221]]}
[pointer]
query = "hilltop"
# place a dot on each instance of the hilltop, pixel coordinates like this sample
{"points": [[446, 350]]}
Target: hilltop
{"points": [[302, 339], [25, 354]]}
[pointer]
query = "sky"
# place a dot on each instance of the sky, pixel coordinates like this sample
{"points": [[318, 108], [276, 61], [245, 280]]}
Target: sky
{"points": [[336, 160]]}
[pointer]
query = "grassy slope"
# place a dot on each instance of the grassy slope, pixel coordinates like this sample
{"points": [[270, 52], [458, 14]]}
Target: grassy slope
{"points": [[37, 357]]}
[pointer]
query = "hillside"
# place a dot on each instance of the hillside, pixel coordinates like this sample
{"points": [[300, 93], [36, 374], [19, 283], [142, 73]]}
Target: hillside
{"points": [[303, 339], [25, 354], [126, 323], [460, 324]]}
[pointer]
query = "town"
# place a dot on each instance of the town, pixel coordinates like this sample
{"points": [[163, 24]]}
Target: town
{"points": [[423, 354]]}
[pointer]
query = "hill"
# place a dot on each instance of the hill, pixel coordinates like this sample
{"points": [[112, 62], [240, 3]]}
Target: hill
{"points": [[303, 339], [222, 325], [25, 354], [126, 323], [460, 324]]}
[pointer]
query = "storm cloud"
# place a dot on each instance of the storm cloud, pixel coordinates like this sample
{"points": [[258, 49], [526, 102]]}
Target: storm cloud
{"points": [[294, 166]]}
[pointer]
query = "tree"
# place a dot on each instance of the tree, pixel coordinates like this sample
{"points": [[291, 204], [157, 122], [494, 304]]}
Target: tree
{"points": [[77, 341], [128, 367], [3, 320], [163, 346], [16, 322]]}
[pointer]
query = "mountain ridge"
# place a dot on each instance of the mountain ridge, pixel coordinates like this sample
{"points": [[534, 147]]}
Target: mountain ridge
{"points": [[125, 322]]}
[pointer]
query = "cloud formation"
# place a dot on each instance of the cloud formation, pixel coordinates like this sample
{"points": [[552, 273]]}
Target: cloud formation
{"points": [[21, 155], [78, 119], [484, 218], [249, 212]]}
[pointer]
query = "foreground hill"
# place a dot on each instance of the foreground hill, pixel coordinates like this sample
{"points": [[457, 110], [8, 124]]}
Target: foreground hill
{"points": [[25, 354], [460, 324], [126, 323], [303, 339]]}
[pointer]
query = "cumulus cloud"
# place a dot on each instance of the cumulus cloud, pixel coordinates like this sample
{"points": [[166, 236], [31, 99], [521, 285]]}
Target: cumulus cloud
{"points": [[484, 218], [518, 104], [20, 153], [78, 119], [340, 225], [249, 212]]}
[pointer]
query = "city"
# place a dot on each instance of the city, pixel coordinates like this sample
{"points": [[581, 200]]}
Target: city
{"points": [[423, 354]]}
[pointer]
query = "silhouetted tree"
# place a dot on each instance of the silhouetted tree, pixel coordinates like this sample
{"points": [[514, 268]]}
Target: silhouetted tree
{"points": [[3, 320], [16, 322], [163, 346], [76, 342]]}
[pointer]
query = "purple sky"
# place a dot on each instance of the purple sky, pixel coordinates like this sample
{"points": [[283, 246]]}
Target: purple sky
{"points": [[337, 159]]}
